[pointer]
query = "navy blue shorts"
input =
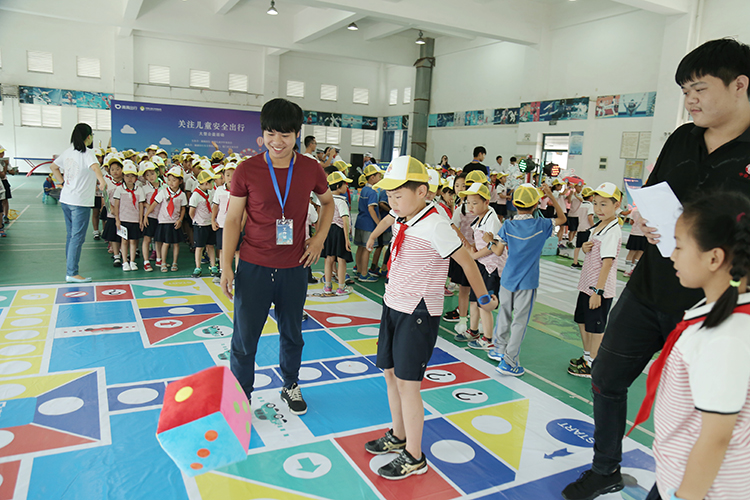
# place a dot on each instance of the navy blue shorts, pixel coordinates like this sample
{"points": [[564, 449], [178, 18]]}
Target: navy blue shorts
{"points": [[594, 320], [203, 236], [491, 282]]}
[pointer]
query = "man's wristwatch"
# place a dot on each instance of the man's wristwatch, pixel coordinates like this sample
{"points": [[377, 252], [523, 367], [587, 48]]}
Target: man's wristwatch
{"points": [[598, 291], [484, 299]]}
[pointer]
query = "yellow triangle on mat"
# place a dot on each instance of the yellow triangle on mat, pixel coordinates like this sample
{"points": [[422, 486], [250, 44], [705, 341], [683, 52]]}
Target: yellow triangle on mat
{"points": [[220, 487], [31, 387], [500, 428]]}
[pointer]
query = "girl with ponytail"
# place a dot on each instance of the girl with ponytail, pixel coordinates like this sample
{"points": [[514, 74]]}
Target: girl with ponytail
{"points": [[702, 412]]}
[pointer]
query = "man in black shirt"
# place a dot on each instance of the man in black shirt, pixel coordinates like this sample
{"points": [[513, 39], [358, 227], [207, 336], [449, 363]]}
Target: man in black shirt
{"points": [[711, 153], [476, 163]]}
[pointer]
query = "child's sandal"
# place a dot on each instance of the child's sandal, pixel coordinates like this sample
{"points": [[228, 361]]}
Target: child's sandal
{"points": [[174, 267], [164, 268]]}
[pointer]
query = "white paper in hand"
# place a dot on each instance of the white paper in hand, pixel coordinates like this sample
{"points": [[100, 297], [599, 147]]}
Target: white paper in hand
{"points": [[122, 232], [660, 207]]}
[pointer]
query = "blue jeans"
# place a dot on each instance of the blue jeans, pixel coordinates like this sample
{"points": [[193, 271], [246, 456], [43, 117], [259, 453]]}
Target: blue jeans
{"points": [[77, 223], [256, 287]]}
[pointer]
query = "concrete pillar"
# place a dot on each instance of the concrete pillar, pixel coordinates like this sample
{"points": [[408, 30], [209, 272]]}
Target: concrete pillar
{"points": [[422, 93]]}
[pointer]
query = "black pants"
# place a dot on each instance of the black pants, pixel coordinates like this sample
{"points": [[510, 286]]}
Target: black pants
{"points": [[635, 332], [653, 494], [256, 287]]}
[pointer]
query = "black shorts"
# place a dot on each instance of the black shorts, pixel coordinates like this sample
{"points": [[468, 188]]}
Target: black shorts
{"points": [[582, 237], [500, 209], [166, 233], [491, 281], [97, 202], [572, 224], [219, 237], [594, 320], [109, 233], [406, 341], [456, 273], [549, 212], [203, 236], [6, 184], [150, 230]]}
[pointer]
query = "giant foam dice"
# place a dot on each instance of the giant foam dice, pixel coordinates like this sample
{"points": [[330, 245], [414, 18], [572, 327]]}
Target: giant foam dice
{"points": [[205, 421]]}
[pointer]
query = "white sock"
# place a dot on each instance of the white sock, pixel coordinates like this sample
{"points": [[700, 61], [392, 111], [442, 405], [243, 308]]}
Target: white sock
{"points": [[462, 321], [588, 359]]}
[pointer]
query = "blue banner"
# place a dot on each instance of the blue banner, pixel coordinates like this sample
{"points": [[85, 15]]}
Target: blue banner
{"points": [[136, 125]]}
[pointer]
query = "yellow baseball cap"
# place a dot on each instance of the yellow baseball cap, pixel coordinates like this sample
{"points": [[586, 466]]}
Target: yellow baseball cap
{"points": [[128, 167], [362, 180], [503, 174], [230, 166], [476, 176], [526, 196], [586, 192], [556, 182], [373, 169], [341, 165], [153, 147], [146, 166], [175, 171], [206, 175], [434, 181], [609, 190], [113, 159], [336, 177], [2, 149], [477, 188], [158, 161], [401, 170], [218, 155]]}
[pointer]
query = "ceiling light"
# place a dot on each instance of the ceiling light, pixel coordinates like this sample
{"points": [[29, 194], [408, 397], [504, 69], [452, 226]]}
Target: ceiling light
{"points": [[352, 27], [272, 9], [420, 40]]}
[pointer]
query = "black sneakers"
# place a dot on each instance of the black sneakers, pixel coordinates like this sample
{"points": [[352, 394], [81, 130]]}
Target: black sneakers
{"points": [[403, 466], [293, 398], [590, 485], [386, 444], [451, 316]]}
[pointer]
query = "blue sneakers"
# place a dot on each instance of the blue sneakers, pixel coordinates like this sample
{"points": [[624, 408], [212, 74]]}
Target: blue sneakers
{"points": [[495, 355], [506, 369], [367, 278]]}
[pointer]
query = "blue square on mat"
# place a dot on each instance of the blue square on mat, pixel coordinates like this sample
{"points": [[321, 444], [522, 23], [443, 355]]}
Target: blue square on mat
{"points": [[266, 378], [307, 324], [351, 367], [95, 313], [312, 373], [319, 344], [125, 359], [75, 294], [129, 397]]}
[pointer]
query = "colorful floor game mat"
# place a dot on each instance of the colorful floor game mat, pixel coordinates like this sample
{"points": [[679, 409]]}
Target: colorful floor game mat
{"points": [[83, 370]]}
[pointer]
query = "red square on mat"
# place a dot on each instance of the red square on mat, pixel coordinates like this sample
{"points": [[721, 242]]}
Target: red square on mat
{"points": [[450, 374]]}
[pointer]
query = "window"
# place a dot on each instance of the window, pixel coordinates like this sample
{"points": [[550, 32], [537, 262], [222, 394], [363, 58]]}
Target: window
{"points": [[37, 115], [365, 138], [325, 135], [200, 79], [237, 83], [407, 95], [295, 89], [39, 62], [1, 59], [329, 92], [393, 98], [1, 112], [98, 119], [88, 67], [361, 96], [397, 136], [158, 74], [555, 149], [320, 133]]}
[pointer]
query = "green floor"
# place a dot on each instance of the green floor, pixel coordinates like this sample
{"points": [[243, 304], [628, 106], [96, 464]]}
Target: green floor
{"points": [[34, 253]]}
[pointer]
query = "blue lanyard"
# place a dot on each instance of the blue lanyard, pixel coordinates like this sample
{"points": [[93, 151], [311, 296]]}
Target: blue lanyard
{"points": [[276, 183]]}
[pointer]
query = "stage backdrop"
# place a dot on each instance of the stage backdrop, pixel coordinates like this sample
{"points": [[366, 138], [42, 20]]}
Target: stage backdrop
{"points": [[138, 124]]}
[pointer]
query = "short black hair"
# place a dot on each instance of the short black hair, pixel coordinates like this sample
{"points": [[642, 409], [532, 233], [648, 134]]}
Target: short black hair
{"points": [[81, 132], [330, 169], [413, 185], [280, 115], [308, 140], [725, 58], [513, 159], [478, 150], [334, 187], [498, 157]]}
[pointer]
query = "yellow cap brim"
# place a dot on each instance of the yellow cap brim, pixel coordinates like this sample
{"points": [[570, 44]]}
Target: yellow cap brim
{"points": [[464, 194], [390, 184], [607, 195]]}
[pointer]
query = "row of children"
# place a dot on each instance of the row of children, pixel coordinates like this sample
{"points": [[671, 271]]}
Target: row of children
{"points": [[164, 207]]}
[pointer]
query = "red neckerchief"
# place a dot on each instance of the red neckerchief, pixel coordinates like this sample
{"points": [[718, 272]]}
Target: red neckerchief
{"points": [[399, 239], [205, 197], [132, 193], [447, 209], [170, 205], [153, 195], [654, 373]]}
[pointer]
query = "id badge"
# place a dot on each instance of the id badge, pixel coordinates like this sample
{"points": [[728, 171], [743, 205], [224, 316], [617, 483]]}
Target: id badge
{"points": [[284, 231]]}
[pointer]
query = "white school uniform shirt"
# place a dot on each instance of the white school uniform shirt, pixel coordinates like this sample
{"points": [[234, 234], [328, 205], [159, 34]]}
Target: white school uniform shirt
{"points": [[586, 209], [149, 194], [191, 183], [575, 205], [202, 215], [111, 188], [707, 371], [180, 200], [560, 198], [221, 199], [607, 244], [128, 209], [463, 221], [441, 209], [488, 223], [419, 269], [340, 210]]}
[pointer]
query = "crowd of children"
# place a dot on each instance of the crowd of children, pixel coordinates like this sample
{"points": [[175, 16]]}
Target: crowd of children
{"points": [[163, 203]]}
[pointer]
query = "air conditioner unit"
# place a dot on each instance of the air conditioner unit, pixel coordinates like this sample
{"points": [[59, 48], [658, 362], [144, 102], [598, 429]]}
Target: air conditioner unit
{"points": [[9, 90]]}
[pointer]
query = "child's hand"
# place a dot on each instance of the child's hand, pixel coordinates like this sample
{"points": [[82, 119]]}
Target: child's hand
{"points": [[547, 191], [214, 225], [595, 301], [141, 225], [349, 246], [178, 224], [492, 304], [487, 237], [145, 222], [117, 224], [587, 246], [370, 244]]}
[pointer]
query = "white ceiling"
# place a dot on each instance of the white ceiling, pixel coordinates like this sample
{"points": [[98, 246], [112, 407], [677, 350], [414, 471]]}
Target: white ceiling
{"points": [[388, 28]]}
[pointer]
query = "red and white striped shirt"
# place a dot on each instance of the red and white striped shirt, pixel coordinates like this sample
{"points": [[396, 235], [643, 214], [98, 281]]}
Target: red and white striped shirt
{"points": [[420, 267], [708, 370], [340, 210], [607, 244], [489, 223]]}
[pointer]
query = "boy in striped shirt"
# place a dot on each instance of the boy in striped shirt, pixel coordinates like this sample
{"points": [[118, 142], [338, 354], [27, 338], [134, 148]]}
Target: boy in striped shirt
{"points": [[413, 303]]}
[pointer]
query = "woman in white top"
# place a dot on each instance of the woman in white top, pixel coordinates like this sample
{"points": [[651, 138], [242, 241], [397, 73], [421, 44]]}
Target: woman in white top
{"points": [[78, 169]]}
